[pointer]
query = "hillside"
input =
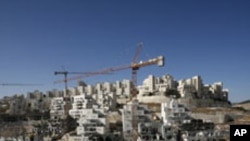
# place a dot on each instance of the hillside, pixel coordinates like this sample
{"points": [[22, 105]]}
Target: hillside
{"points": [[243, 104]]}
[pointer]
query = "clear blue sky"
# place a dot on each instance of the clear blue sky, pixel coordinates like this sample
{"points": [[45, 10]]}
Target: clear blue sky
{"points": [[209, 38]]}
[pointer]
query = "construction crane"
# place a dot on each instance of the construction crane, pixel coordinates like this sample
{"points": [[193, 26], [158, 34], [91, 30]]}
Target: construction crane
{"points": [[20, 84], [134, 66]]}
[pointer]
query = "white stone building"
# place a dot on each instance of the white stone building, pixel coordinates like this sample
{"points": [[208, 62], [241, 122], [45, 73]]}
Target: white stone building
{"points": [[194, 88], [57, 108], [164, 83], [133, 113], [155, 85], [123, 88], [37, 101], [103, 93], [218, 92], [16, 105], [156, 131], [106, 100], [120, 88], [173, 111], [90, 116], [190, 86], [54, 93]]}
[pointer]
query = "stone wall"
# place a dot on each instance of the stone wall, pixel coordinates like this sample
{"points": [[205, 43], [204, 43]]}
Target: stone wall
{"points": [[215, 117], [194, 103]]}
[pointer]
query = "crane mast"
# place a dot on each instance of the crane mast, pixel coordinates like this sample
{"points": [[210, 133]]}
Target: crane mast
{"points": [[65, 73], [134, 67]]}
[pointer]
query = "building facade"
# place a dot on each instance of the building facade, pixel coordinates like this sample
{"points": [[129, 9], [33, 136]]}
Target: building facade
{"points": [[91, 118]]}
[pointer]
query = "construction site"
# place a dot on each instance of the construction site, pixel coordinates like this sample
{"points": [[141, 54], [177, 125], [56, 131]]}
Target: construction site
{"points": [[161, 109]]}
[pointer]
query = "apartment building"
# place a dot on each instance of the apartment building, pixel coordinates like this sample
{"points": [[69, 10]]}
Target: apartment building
{"points": [[176, 124], [91, 118], [106, 100], [119, 88], [123, 88], [173, 113], [37, 101], [157, 85], [16, 105], [54, 93], [191, 87], [57, 108], [156, 131], [217, 91], [133, 113]]}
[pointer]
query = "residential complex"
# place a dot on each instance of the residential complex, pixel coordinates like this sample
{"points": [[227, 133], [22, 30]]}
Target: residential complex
{"points": [[91, 118], [187, 88], [91, 105], [132, 114], [57, 110], [157, 85]]}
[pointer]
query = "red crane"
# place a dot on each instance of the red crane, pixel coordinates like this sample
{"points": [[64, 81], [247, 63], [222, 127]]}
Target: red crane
{"points": [[134, 66]]}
